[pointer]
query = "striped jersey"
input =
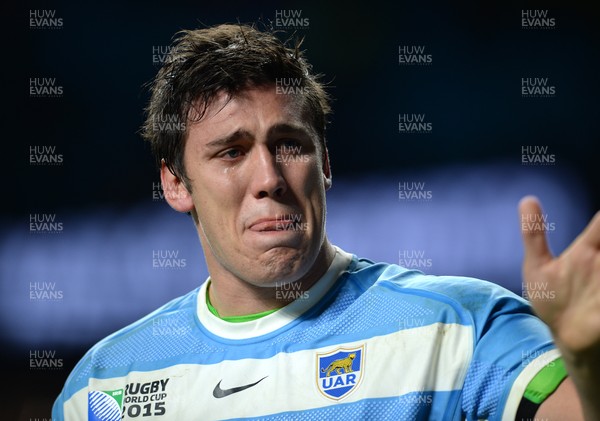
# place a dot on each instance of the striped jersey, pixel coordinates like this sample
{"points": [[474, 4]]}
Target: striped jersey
{"points": [[369, 341]]}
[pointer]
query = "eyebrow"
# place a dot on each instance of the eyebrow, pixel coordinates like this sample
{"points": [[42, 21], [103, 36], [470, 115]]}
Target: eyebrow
{"points": [[241, 133], [228, 139], [289, 128]]}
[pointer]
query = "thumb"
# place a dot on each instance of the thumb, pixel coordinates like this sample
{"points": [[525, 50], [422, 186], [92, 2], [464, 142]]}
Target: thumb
{"points": [[533, 232]]}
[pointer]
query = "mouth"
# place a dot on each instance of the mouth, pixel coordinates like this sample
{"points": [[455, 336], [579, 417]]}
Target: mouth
{"points": [[285, 222]]}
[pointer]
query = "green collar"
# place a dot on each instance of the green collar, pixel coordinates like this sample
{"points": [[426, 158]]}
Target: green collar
{"points": [[236, 319]]}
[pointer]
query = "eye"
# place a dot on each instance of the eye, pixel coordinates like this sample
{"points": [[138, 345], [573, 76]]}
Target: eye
{"points": [[231, 154]]}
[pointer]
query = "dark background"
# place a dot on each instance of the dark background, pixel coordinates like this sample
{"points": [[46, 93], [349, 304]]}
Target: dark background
{"points": [[102, 56]]}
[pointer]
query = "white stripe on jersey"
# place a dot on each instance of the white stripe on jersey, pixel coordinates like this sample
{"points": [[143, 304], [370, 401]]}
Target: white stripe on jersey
{"points": [[385, 373]]}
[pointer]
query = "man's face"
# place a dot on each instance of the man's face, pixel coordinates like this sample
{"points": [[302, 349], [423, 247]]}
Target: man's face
{"points": [[258, 179]]}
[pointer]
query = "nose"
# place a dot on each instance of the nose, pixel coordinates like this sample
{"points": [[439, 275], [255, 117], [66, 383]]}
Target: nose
{"points": [[267, 179]]}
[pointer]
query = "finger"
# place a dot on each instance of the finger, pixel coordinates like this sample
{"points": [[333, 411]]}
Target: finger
{"points": [[533, 231]]}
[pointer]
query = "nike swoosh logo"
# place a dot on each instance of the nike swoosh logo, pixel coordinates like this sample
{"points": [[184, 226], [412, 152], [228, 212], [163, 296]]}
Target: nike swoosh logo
{"points": [[221, 393]]}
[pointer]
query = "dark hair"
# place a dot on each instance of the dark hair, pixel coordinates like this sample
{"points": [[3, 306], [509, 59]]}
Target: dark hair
{"points": [[227, 58]]}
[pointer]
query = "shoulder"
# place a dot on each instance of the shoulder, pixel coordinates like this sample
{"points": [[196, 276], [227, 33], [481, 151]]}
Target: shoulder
{"points": [[471, 298], [464, 289], [144, 343], [170, 312]]}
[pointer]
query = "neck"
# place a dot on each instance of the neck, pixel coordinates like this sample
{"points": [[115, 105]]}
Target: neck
{"points": [[232, 296]]}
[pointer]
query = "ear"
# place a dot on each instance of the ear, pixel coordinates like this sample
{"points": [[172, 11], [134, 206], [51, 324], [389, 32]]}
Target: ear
{"points": [[326, 169], [176, 194]]}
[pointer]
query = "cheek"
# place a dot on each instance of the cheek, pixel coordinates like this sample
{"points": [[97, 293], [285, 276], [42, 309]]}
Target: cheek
{"points": [[308, 184], [216, 200], [314, 185]]}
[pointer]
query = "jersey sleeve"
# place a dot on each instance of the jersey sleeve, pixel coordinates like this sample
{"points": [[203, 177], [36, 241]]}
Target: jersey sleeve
{"points": [[511, 345]]}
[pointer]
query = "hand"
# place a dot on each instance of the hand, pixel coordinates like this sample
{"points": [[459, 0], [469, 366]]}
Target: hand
{"points": [[564, 290]]}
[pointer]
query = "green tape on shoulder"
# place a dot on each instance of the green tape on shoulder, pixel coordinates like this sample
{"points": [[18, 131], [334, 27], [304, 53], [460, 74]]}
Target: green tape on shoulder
{"points": [[546, 381]]}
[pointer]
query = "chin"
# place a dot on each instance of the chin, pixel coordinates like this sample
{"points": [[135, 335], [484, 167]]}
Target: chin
{"points": [[281, 267]]}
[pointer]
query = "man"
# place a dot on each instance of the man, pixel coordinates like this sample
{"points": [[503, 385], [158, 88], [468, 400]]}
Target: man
{"points": [[289, 326]]}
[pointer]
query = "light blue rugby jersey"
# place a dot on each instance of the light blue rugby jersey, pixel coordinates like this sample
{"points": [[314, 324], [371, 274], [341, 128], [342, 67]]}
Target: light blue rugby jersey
{"points": [[369, 341]]}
